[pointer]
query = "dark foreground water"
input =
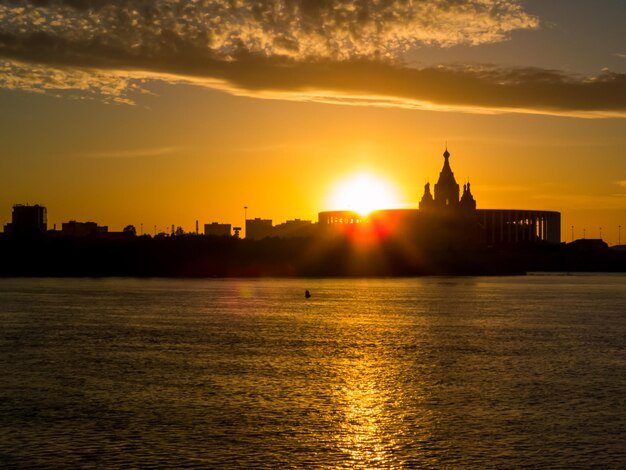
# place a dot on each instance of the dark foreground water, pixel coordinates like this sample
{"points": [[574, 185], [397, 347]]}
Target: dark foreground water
{"points": [[411, 373]]}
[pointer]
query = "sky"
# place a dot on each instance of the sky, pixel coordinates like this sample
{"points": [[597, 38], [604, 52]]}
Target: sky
{"points": [[163, 112]]}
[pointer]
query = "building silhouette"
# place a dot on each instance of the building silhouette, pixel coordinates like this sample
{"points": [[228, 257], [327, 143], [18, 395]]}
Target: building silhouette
{"points": [[217, 229], [27, 220], [82, 229], [257, 229], [294, 228]]}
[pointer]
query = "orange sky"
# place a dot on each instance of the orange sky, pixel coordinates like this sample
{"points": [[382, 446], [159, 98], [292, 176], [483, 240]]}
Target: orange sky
{"points": [[530, 100]]}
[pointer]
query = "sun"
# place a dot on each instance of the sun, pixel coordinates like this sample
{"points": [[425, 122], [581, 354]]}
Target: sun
{"points": [[363, 193]]}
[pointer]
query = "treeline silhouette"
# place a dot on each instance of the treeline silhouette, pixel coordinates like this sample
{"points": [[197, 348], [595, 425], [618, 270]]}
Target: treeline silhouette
{"points": [[334, 256]]}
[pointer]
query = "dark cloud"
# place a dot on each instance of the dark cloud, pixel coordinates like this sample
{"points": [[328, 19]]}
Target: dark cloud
{"points": [[333, 51], [299, 29], [471, 89]]}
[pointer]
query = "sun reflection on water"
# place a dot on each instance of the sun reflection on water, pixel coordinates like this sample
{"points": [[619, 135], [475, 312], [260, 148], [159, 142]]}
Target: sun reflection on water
{"points": [[361, 435], [374, 406]]}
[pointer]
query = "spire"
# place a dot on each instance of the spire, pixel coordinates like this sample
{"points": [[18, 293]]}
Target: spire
{"points": [[446, 189]]}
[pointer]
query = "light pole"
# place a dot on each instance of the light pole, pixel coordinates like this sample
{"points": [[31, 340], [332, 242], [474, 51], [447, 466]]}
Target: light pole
{"points": [[141, 229], [600, 233], [584, 233]]}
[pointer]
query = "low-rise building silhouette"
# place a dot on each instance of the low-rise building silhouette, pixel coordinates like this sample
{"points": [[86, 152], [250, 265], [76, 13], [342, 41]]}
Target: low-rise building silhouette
{"points": [[217, 229], [294, 228], [257, 229], [82, 229]]}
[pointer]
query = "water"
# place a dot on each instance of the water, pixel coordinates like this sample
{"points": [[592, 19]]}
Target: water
{"points": [[392, 373]]}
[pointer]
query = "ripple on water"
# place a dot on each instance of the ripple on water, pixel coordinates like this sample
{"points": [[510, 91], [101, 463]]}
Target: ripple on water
{"points": [[433, 372]]}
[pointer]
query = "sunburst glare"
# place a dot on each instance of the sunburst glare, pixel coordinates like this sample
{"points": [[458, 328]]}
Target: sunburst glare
{"points": [[363, 193]]}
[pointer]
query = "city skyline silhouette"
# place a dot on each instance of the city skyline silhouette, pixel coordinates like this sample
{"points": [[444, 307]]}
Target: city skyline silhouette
{"points": [[448, 234], [446, 195]]}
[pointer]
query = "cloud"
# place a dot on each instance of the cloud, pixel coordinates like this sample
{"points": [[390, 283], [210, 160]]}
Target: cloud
{"points": [[74, 83], [332, 51], [621, 184]]}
